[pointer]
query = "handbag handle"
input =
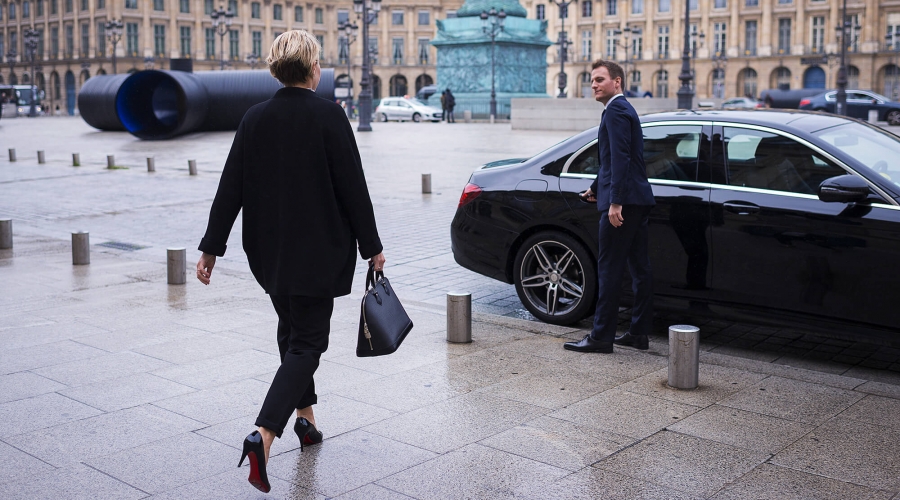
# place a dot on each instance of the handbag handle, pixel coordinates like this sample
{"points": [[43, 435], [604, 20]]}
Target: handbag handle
{"points": [[372, 276]]}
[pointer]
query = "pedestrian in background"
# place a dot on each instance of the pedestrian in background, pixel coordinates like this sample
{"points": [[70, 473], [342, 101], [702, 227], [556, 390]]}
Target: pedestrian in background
{"points": [[624, 198], [451, 103], [294, 170], [444, 105]]}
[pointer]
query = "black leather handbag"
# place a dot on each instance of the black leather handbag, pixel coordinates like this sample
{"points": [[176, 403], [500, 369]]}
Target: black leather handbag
{"points": [[383, 323]]}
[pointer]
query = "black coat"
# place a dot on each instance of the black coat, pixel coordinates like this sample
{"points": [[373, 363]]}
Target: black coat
{"points": [[295, 170]]}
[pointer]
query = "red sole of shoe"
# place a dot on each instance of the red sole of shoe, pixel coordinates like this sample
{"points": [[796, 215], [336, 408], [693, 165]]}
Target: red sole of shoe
{"points": [[254, 478]]}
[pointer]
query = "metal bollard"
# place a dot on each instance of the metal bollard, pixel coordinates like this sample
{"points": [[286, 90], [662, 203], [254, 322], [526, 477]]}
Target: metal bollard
{"points": [[684, 356], [40, 157], [12, 154], [176, 266], [873, 115], [110, 161], [426, 183], [151, 165], [81, 248], [467, 116], [76, 160], [459, 317], [192, 167], [5, 234]]}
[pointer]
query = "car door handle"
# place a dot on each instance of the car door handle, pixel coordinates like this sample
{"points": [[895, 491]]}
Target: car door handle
{"points": [[741, 208]]}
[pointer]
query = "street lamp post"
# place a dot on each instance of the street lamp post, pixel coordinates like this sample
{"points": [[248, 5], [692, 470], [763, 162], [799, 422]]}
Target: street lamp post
{"points": [[625, 43], [114, 34], [892, 40], [221, 21], [564, 43], [686, 93], [843, 33], [350, 31], [492, 25], [30, 37], [252, 59], [720, 61], [368, 13], [11, 60]]}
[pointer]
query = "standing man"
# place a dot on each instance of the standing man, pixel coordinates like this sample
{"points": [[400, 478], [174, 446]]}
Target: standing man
{"points": [[624, 199], [444, 105], [451, 103]]}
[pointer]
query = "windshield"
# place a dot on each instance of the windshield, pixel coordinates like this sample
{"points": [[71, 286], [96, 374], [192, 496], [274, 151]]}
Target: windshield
{"points": [[24, 97], [871, 146]]}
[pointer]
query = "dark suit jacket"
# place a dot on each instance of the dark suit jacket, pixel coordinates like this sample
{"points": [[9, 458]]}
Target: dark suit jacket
{"points": [[295, 170], [623, 176]]}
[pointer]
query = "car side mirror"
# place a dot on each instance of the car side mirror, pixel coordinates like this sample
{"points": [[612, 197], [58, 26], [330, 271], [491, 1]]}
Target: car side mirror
{"points": [[843, 189]]}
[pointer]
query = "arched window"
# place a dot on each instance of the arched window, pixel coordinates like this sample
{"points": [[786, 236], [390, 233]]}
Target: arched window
{"points": [[101, 71], [85, 76], [55, 87], [584, 85], [852, 77], [662, 83], [423, 81], [814, 78], [781, 78], [26, 78], [717, 89], [376, 87], [13, 79], [398, 85], [747, 83]]}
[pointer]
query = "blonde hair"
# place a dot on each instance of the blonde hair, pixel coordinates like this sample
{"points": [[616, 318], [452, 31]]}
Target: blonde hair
{"points": [[293, 57]]}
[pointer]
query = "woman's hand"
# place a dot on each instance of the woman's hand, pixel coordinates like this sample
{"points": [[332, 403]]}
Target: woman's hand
{"points": [[205, 266], [377, 261]]}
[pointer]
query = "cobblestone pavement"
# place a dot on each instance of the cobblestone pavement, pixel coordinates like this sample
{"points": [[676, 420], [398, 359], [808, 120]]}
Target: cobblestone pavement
{"points": [[116, 385]]}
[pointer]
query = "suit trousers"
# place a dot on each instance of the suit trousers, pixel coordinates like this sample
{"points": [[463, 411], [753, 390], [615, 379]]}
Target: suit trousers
{"points": [[626, 244], [303, 327]]}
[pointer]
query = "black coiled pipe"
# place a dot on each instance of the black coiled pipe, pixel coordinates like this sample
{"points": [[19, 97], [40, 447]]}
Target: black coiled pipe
{"points": [[160, 105]]}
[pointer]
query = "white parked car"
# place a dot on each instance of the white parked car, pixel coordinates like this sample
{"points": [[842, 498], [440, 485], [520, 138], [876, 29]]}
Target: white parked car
{"points": [[402, 109]]}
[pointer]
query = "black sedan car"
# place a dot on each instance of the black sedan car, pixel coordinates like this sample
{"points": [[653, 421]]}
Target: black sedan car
{"points": [[784, 217], [859, 103]]}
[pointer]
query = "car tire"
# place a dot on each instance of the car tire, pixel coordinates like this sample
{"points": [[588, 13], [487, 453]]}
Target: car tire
{"points": [[552, 268], [417, 117], [382, 117], [893, 117]]}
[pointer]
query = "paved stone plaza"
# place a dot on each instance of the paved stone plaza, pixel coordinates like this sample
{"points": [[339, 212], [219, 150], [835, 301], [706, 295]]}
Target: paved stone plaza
{"points": [[114, 384]]}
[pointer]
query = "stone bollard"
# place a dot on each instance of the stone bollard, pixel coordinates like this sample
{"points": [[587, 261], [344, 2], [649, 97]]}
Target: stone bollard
{"points": [[12, 154], [151, 165], [40, 157], [873, 115], [81, 248], [176, 266], [426, 183], [5, 234], [110, 161], [467, 116], [76, 160], [684, 356], [459, 317], [192, 167]]}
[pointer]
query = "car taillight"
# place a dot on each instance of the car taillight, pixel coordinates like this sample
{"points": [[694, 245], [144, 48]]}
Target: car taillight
{"points": [[805, 102], [760, 105], [470, 192]]}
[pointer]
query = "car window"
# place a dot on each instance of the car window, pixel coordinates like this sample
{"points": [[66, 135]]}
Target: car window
{"points": [[858, 97], [764, 160], [588, 162], [405, 105], [874, 148], [671, 151]]}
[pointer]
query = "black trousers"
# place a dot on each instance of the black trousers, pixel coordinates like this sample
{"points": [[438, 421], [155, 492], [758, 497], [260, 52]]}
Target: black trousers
{"points": [[303, 327], [627, 244]]}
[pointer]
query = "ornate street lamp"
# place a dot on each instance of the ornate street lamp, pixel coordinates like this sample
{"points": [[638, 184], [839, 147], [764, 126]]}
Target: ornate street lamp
{"points": [[114, 34], [843, 34], [892, 40], [720, 61], [350, 31], [564, 44], [11, 60], [625, 43], [686, 92], [368, 13], [492, 25], [252, 59], [221, 21], [30, 38]]}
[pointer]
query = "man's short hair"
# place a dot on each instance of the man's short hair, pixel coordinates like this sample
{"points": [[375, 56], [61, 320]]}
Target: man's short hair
{"points": [[615, 71], [293, 57]]}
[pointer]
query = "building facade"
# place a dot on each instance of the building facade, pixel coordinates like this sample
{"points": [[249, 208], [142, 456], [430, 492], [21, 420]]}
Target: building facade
{"points": [[741, 47], [74, 45]]}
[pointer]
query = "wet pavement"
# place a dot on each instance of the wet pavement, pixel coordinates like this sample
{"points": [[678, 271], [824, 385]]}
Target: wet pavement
{"points": [[114, 384]]}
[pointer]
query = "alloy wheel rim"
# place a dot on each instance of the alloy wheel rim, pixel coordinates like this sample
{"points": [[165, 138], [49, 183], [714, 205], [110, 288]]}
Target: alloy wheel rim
{"points": [[552, 278]]}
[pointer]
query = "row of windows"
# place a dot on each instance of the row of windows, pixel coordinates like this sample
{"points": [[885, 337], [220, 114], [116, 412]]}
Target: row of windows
{"points": [[637, 7], [54, 7]]}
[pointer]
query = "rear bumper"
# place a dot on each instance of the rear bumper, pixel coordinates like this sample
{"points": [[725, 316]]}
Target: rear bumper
{"points": [[480, 247]]}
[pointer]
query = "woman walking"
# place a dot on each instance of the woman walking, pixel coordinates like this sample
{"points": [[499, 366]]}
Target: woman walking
{"points": [[295, 170]]}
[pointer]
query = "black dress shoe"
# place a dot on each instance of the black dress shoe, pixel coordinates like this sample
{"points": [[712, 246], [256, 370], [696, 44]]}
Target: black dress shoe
{"points": [[641, 342], [587, 344]]}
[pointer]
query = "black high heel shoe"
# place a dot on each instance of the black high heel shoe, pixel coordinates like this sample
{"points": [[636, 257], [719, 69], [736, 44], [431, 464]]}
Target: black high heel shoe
{"points": [[307, 432], [253, 447]]}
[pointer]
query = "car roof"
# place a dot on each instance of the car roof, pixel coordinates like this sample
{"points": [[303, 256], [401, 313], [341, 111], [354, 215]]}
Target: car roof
{"points": [[804, 121]]}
